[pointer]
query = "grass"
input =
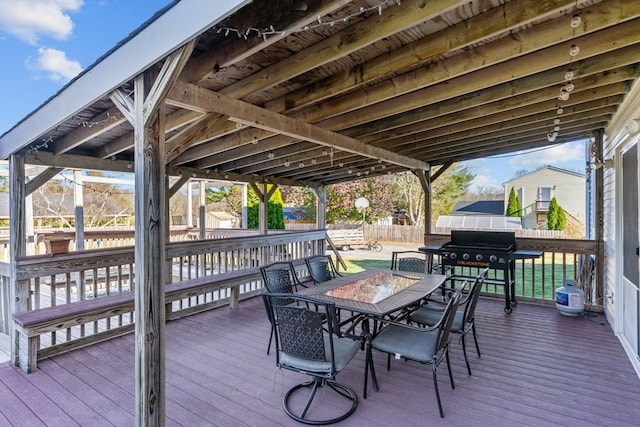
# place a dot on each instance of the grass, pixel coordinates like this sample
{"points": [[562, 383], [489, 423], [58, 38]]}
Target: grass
{"points": [[529, 277]]}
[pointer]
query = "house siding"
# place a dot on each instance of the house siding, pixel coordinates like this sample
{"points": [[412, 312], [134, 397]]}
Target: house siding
{"points": [[569, 192], [614, 298]]}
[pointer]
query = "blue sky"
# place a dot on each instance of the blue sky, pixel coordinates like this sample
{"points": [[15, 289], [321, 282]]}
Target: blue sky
{"points": [[45, 43]]}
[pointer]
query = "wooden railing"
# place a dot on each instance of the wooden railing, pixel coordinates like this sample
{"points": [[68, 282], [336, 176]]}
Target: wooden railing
{"points": [[86, 275], [562, 259], [53, 280]]}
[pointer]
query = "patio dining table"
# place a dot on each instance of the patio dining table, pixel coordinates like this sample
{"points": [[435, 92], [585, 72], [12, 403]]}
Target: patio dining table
{"points": [[375, 294]]}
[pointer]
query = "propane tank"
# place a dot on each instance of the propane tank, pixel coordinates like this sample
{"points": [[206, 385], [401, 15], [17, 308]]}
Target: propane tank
{"points": [[570, 299]]}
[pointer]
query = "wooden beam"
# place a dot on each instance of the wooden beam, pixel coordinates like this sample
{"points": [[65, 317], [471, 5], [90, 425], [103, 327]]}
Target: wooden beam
{"points": [[376, 27], [174, 121], [74, 161], [236, 49], [249, 114], [442, 169], [177, 185], [487, 25], [169, 73], [97, 125], [41, 179], [198, 131]]}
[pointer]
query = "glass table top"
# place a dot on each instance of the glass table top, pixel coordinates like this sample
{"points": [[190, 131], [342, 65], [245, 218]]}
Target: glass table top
{"points": [[375, 287]]}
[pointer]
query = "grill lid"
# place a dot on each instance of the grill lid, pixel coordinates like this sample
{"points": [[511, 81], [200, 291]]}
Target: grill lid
{"points": [[488, 240]]}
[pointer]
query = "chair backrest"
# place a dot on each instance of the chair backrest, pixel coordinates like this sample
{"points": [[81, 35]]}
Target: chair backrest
{"points": [[302, 337], [278, 278], [413, 261], [321, 268], [471, 300], [446, 321]]}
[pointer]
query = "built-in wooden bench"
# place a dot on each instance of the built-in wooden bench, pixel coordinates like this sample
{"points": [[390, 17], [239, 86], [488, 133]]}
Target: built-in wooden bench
{"points": [[30, 325]]}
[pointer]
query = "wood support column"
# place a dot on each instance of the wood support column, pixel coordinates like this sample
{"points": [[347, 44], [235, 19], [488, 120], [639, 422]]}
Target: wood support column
{"points": [[19, 290], [599, 218], [150, 238]]}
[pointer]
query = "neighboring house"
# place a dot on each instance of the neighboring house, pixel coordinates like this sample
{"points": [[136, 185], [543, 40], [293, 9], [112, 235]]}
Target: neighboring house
{"points": [[536, 189], [477, 215]]}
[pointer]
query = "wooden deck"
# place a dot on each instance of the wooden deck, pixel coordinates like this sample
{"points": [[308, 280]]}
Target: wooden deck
{"points": [[538, 368]]}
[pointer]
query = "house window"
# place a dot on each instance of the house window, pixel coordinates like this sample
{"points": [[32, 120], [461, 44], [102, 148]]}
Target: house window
{"points": [[544, 199]]}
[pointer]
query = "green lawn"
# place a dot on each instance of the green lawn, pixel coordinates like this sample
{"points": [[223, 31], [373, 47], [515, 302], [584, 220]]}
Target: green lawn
{"points": [[532, 275]]}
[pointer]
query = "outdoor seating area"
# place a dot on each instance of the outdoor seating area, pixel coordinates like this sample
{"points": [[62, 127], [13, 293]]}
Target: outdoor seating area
{"points": [[537, 368], [289, 95]]}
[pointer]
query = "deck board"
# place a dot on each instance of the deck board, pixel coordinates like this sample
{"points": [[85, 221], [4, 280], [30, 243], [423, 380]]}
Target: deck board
{"points": [[538, 368]]}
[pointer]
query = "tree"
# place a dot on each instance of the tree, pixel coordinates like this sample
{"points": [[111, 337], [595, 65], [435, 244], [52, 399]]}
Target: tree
{"points": [[556, 218], [448, 189], [341, 199], [514, 208], [275, 216]]}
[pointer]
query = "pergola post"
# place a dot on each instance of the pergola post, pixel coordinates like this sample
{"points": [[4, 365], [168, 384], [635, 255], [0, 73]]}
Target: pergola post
{"points": [[19, 290], [150, 271], [321, 212], [78, 198]]}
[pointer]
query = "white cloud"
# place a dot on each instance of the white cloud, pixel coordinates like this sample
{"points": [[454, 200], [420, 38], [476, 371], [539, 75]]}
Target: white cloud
{"points": [[57, 65], [484, 181], [557, 155], [31, 19]]}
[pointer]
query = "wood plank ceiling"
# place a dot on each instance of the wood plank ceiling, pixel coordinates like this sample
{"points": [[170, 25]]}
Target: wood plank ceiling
{"points": [[369, 87]]}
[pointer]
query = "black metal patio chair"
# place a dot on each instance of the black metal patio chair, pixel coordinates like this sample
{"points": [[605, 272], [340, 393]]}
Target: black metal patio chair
{"points": [[310, 346], [279, 277], [424, 345], [464, 320], [413, 261], [321, 268]]}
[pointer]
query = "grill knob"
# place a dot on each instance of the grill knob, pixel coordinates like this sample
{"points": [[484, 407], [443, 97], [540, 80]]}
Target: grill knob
{"points": [[493, 258], [479, 257], [453, 255], [465, 256]]}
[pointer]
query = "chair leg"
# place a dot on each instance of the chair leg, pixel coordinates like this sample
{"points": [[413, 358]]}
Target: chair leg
{"points": [[435, 386], [270, 339], [464, 351], [475, 338], [453, 385]]}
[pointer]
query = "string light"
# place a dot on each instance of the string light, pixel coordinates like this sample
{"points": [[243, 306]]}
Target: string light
{"points": [[568, 86], [271, 31], [84, 123]]}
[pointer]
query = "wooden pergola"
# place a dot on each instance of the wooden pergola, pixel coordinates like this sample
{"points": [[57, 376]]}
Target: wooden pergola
{"points": [[312, 93]]}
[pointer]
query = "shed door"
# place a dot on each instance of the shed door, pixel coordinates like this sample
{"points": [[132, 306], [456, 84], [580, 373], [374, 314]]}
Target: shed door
{"points": [[630, 248]]}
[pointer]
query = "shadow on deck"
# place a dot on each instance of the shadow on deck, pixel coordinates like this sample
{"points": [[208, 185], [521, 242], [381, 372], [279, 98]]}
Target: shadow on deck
{"points": [[537, 368]]}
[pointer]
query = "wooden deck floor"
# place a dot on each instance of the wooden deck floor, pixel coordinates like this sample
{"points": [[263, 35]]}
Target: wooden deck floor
{"points": [[538, 368]]}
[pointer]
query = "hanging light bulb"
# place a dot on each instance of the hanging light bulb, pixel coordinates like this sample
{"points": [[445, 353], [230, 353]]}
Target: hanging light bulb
{"points": [[564, 95], [559, 110], [568, 76], [569, 87], [271, 155], [550, 137], [556, 122], [287, 163], [575, 21], [574, 50], [556, 128]]}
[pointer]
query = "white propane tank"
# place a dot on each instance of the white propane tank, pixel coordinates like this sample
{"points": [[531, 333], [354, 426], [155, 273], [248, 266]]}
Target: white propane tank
{"points": [[570, 299]]}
